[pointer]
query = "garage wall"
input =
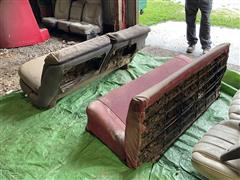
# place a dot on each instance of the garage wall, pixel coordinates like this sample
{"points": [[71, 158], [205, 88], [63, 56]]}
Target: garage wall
{"points": [[132, 14]]}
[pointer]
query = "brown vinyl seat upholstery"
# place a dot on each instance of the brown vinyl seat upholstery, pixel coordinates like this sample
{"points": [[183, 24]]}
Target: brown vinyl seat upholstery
{"points": [[155, 109], [61, 12], [217, 155], [48, 78], [234, 110]]}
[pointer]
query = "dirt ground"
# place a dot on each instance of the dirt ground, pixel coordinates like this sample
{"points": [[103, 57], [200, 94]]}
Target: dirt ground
{"points": [[11, 59]]}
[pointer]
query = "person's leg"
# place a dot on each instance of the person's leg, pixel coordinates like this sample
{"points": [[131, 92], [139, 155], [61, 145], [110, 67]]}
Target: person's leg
{"points": [[191, 9], [205, 38]]}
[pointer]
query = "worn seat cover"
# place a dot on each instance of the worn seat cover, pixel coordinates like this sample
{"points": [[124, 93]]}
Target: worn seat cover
{"points": [[84, 19], [92, 12], [129, 33], [91, 46], [91, 22], [76, 10], [80, 17], [31, 72], [75, 15], [137, 86], [107, 116], [62, 8], [206, 154], [234, 110]]}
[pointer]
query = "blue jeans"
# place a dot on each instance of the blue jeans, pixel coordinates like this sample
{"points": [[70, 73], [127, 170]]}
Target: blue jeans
{"points": [[191, 9]]}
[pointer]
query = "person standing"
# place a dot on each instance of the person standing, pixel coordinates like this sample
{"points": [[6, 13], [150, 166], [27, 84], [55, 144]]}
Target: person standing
{"points": [[191, 9]]}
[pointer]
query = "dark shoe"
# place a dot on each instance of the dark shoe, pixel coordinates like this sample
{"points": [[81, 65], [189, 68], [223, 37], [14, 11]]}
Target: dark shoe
{"points": [[205, 51], [190, 48]]}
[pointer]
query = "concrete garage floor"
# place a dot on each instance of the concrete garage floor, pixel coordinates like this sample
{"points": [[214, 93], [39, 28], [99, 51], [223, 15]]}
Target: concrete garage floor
{"points": [[172, 36]]}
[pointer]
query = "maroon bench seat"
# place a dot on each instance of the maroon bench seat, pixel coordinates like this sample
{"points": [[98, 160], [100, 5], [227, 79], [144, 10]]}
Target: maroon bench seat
{"points": [[111, 110], [132, 119]]}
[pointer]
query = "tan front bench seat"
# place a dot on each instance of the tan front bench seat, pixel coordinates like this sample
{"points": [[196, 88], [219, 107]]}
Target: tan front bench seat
{"points": [[234, 110], [211, 155]]}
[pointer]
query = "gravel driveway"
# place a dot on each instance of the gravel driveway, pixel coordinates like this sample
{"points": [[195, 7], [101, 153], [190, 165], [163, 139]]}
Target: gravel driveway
{"points": [[11, 59]]}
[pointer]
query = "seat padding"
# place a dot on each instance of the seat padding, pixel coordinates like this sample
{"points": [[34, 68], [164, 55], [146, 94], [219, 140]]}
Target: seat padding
{"points": [[206, 154], [31, 72], [84, 28], [62, 8], [106, 112], [234, 110], [128, 34], [75, 15], [92, 12], [76, 10], [81, 49], [104, 123]]}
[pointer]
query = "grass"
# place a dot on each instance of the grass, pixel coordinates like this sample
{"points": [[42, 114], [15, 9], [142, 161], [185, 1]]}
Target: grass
{"points": [[165, 10]]}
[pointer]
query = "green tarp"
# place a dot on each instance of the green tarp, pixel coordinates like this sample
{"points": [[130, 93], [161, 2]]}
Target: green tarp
{"points": [[53, 144]]}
